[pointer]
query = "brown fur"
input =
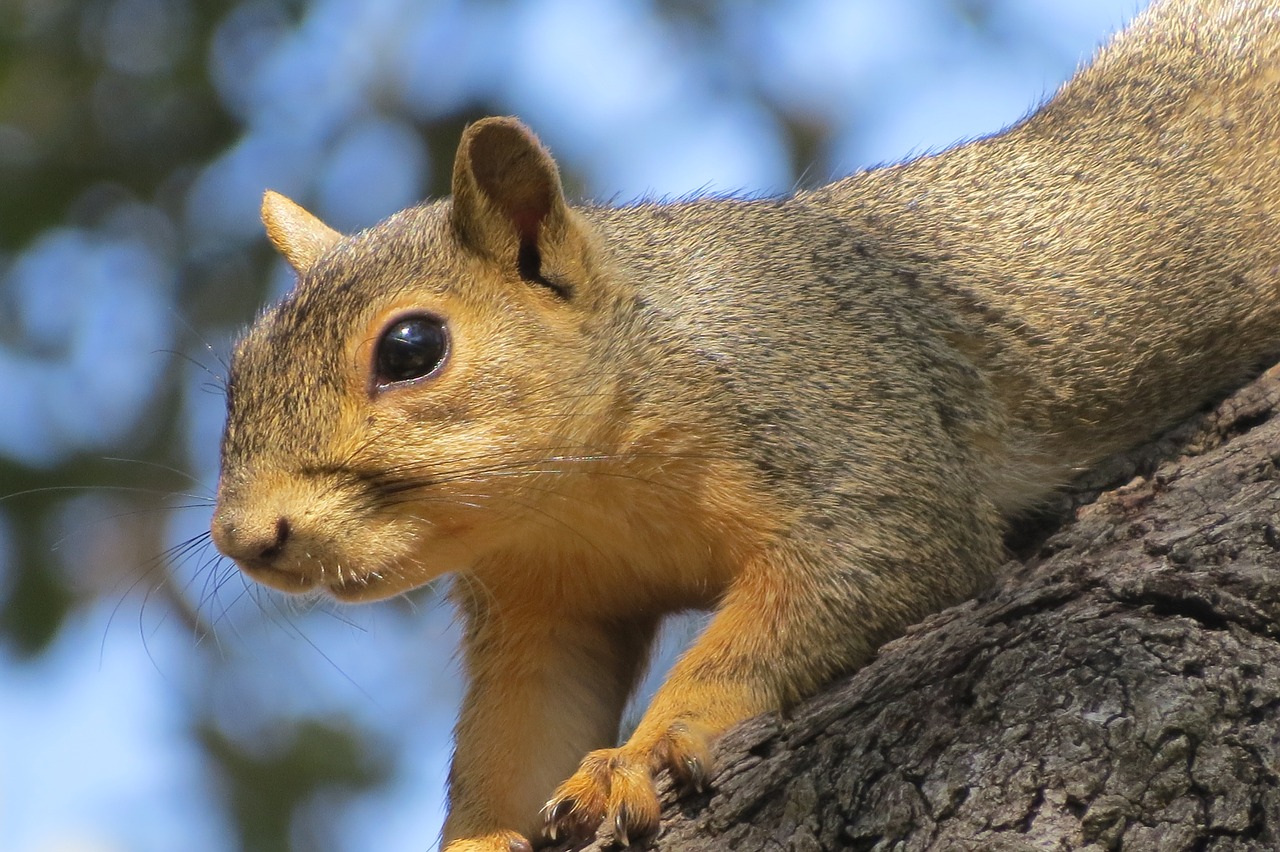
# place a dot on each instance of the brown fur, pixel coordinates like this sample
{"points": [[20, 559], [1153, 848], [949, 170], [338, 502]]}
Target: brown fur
{"points": [[811, 414]]}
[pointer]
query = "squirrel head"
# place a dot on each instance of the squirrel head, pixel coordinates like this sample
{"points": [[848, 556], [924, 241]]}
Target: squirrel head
{"points": [[404, 411]]}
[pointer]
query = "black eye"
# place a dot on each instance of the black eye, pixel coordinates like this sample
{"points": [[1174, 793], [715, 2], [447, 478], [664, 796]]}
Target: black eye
{"points": [[414, 347]]}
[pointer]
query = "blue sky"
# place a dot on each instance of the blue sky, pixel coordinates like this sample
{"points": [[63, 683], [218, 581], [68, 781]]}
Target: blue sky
{"points": [[95, 754]]}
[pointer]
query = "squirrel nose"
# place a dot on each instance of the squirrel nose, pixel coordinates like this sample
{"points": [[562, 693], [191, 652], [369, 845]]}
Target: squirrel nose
{"points": [[249, 541]]}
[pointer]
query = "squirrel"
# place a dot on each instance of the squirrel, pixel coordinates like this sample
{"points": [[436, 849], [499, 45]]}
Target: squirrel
{"points": [[814, 415]]}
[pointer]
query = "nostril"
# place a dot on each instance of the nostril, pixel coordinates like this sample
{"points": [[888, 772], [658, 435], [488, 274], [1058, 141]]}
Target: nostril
{"points": [[272, 549], [251, 539]]}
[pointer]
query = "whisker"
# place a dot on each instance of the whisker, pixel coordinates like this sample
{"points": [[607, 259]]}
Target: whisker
{"points": [[121, 489], [219, 381], [558, 522], [211, 595], [179, 553], [89, 524], [337, 668], [409, 488], [156, 465], [226, 367]]}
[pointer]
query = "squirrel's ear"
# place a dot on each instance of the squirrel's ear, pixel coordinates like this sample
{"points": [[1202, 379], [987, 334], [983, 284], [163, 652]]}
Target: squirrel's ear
{"points": [[300, 237], [507, 197]]}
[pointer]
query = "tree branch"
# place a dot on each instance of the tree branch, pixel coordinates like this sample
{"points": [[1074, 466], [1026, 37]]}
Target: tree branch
{"points": [[1120, 688]]}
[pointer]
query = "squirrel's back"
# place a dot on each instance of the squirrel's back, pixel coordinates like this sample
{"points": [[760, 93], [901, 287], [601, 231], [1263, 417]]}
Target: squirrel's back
{"points": [[1117, 255], [812, 361]]}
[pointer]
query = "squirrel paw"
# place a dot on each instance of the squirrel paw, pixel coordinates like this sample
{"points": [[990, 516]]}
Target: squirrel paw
{"points": [[502, 841], [615, 786]]}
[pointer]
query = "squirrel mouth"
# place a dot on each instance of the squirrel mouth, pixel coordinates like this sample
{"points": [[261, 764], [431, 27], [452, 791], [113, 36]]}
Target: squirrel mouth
{"points": [[354, 589], [276, 578], [357, 587], [351, 587], [347, 585]]}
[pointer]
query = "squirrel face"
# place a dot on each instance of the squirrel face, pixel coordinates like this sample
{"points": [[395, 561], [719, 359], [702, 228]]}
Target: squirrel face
{"points": [[405, 410]]}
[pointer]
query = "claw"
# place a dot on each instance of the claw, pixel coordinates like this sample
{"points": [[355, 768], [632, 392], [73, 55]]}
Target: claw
{"points": [[554, 811], [551, 819], [697, 778], [620, 827]]}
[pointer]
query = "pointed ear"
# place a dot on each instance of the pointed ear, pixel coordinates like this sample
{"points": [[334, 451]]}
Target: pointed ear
{"points": [[300, 237], [507, 197]]}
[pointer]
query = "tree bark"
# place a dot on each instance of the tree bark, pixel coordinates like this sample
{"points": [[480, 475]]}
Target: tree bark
{"points": [[1118, 689]]}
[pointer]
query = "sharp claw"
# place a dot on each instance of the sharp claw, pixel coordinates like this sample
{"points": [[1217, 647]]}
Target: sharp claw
{"points": [[551, 815], [620, 831], [693, 773]]}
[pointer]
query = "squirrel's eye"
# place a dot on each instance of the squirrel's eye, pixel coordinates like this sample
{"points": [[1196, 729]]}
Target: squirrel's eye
{"points": [[414, 347]]}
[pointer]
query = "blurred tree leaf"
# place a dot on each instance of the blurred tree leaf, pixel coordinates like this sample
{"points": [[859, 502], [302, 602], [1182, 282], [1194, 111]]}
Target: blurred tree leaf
{"points": [[268, 787]]}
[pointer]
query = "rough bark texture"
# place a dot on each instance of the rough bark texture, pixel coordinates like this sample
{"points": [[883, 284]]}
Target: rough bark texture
{"points": [[1120, 689]]}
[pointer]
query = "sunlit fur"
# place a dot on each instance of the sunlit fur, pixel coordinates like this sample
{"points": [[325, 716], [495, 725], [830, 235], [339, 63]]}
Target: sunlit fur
{"points": [[812, 414]]}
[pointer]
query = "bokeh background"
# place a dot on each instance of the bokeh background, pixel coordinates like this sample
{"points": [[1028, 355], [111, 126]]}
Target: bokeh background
{"points": [[150, 700]]}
